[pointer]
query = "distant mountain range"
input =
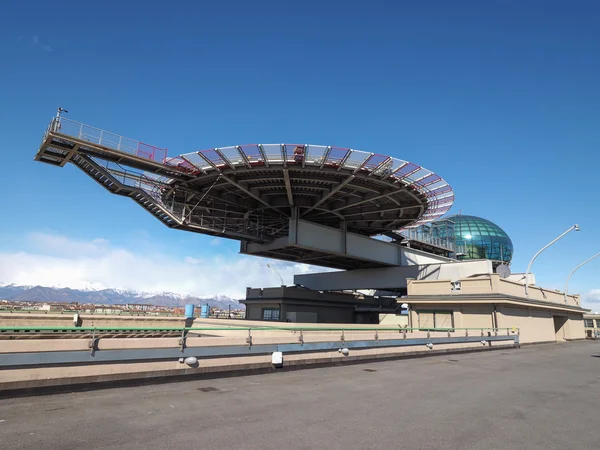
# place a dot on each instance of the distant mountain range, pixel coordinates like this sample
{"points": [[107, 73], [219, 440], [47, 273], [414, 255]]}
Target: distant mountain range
{"points": [[13, 292]]}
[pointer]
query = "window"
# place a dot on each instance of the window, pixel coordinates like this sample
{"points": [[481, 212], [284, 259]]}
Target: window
{"points": [[435, 319], [588, 323], [270, 314], [597, 323]]}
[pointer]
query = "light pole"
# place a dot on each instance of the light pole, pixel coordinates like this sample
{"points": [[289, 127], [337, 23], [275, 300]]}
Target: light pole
{"points": [[574, 270], [574, 227], [275, 270]]}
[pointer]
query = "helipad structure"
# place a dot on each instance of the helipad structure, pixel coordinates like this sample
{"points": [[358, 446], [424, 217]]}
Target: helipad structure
{"points": [[298, 202], [327, 206]]}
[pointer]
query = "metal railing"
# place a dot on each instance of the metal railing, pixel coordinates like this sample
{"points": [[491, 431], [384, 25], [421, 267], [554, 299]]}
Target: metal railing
{"points": [[246, 341], [292, 328], [97, 136], [417, 235]]}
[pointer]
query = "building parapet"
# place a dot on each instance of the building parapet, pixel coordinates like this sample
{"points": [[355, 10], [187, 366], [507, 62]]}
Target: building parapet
{"points": [[489, 284]]}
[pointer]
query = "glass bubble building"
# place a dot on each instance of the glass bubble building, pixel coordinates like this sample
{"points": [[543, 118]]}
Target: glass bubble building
{"points": [[478, 238]]}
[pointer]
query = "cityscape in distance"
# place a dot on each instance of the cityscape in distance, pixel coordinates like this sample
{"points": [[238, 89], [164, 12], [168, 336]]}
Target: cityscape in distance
{"points": [[34, 297]]}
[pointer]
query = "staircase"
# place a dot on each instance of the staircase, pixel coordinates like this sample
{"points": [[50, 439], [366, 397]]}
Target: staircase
{"points": [[139, 195]]}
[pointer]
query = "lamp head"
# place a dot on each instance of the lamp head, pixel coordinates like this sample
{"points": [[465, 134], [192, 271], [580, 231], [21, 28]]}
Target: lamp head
{"points": [[576, 226]]}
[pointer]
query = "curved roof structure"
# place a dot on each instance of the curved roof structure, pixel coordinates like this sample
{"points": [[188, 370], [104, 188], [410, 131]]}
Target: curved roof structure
{"points": [[266, 184], [480, 238], [250, 192]]}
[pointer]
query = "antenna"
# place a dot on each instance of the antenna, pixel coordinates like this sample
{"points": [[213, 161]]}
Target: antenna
{"points": [[61, 110], [503, 270]]}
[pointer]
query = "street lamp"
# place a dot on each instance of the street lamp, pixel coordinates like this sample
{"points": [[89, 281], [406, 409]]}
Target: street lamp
{"points": [[574, 270], [275, 270], [574, 227]]}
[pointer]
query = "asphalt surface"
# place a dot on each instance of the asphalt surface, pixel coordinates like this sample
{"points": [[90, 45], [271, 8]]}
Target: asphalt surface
{"points": [[537, 397]]}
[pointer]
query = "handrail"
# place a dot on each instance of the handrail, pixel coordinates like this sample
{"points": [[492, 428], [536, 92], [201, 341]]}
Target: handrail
{"points": [[246, 328]]}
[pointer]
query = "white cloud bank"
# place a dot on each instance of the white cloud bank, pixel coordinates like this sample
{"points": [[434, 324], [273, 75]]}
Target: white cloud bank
{"points": [[56, 260], [591, 300]]}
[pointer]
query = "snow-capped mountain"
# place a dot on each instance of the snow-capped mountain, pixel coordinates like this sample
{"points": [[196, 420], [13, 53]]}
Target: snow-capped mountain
{"points": [[108, 296]]}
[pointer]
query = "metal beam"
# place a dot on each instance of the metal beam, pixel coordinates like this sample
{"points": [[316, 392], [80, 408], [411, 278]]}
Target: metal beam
{"points": [[236, 184], [374, 211], [244, 156], [305, 155], [225, 158], [330, 193], [247, 191], [210, 163], [325, 156], [288, 187], [344, 159], [284, 155], [366, 200], [262, 153]]}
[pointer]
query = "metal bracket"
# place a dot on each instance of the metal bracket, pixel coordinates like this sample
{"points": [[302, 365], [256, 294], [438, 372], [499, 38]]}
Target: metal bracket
{"points": [[182, 340], [428, 334], [376, 335], [93, 344], [448, 333], [301, 338], [343, 339], [404, 334], [249, 338], [466, 333], [482, 331]]}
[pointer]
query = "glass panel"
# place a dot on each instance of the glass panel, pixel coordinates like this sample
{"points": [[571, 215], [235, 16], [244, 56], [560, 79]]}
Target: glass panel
{"points": [[253, 154], [315, 153], [198, 161], [336, 155], [374, 161], [356, 159], [214, 157], [273, 153], [233, 155]]}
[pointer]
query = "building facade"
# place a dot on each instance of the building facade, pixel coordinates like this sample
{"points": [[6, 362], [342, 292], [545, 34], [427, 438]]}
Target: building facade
{"points": [[591, 323], [489, 301]]}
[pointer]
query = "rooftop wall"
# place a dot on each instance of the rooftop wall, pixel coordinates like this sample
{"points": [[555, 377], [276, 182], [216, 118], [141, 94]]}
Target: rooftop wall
{"points": [[490, 284]]}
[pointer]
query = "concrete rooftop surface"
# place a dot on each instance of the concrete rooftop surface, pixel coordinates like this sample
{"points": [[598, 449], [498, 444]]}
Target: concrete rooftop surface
{"points": [[536, 397]]}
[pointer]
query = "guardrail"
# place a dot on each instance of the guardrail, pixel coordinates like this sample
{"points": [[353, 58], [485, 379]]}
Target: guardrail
{"points": [[117, 313], [398, 328], [68, 127], [241, 341]]}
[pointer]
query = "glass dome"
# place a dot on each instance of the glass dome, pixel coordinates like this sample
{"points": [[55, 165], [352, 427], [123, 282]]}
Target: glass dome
{"points": [[478, 238]]}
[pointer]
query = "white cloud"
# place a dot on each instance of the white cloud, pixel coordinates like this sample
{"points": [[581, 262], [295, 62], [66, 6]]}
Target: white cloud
{"points": [[52, 260], [192, 260], [57, 245], [35, 40], [591, 300], [215, 241]]}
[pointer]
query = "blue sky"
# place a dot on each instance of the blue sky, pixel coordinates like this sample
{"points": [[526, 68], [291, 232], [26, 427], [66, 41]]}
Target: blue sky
{"points": [[501, 98]]}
